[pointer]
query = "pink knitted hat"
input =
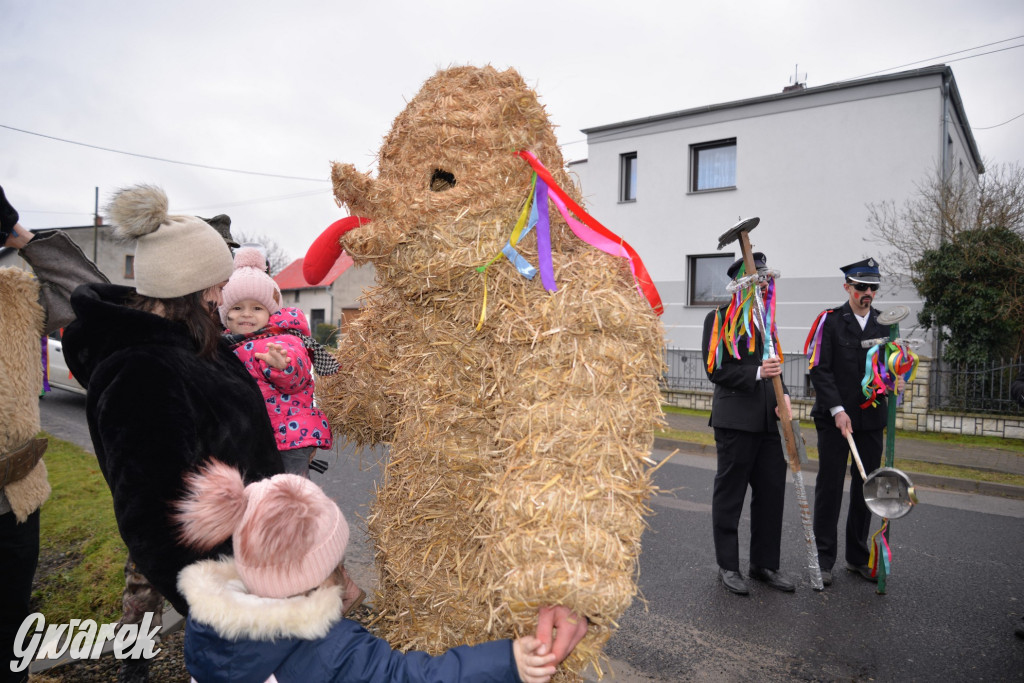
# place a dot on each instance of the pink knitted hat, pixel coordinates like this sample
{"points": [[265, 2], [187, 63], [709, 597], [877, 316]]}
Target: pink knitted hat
{"points": [[250, 281], [287, 535]]}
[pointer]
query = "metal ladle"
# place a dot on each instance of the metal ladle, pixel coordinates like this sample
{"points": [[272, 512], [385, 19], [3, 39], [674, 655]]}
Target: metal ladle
{"points": [[888, 492]]}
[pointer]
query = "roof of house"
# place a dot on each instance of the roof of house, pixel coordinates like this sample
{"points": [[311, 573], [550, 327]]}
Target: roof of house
{"points": [[291, 277], [938, 70]]}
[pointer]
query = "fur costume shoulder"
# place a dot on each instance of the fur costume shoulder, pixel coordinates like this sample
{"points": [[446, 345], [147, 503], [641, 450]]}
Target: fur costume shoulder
{"points": [[21, 378]]}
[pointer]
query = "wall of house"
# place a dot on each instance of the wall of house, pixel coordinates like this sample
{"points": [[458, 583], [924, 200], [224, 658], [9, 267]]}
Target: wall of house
{"points": [[807, 164], [344, 294]]}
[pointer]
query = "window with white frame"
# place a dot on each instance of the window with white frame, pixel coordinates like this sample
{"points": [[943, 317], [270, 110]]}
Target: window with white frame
{"points": [[707, 278], [627, 177], [713, 165], [129, 266]]}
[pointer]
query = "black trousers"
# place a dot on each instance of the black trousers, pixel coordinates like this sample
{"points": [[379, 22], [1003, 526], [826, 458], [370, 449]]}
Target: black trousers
{"points": [[19, 553], [751, 459], [833, 458]]}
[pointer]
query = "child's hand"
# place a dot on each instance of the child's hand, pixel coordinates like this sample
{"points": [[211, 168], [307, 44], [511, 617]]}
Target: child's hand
{"points": [[533, 661], [275, 356]]}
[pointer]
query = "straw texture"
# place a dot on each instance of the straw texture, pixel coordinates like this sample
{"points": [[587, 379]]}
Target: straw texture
{"points": [[518, 472]]}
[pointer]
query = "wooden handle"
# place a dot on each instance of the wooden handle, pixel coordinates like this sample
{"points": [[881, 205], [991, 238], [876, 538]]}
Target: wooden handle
{"points": [[856, 457]]}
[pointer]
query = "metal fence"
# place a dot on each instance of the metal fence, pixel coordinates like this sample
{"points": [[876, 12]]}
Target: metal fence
{"points": [[975, 387], [686, 373], [965, 388]]}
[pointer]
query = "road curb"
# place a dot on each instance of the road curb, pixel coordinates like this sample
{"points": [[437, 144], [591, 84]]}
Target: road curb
{"points": [[984, 488]]}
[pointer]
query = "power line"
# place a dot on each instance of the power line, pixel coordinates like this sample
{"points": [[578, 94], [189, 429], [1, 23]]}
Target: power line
{"points": [[169, 161], [949, 54], [998, 124], [263, 200]]}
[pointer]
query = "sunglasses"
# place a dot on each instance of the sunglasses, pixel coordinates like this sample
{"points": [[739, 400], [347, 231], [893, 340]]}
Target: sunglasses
{"points": [[861, 287]]}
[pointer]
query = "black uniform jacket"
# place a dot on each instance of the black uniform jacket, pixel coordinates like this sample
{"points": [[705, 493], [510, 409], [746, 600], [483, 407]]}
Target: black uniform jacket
{"points": [[838, 374], [741, 401]]}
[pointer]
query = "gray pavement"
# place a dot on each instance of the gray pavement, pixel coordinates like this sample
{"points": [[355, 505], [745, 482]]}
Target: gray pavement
{"points": [[958, 455]]}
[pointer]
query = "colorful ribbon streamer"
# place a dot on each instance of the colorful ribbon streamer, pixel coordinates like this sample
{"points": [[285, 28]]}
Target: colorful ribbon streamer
{"points": [[535, 214], [812, 345], [883, 366], [740, 320], [643, 279], [46, 365], [881, 553]]}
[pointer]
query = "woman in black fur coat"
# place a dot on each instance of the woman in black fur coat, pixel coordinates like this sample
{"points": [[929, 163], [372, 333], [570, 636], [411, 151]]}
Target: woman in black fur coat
{"points": [[165, 393]]}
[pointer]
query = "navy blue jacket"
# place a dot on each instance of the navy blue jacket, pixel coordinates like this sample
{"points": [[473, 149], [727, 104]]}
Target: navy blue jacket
{"points": [[234, 636]]}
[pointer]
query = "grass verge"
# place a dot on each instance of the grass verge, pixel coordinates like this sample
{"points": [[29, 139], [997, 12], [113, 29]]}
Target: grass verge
{"points": [[81, 555]]}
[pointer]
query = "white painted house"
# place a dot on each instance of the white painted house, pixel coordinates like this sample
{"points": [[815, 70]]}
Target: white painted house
{"points": [[806, 161]]}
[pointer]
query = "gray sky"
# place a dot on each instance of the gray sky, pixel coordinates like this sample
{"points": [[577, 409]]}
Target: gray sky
{"points": [[287, 87]]}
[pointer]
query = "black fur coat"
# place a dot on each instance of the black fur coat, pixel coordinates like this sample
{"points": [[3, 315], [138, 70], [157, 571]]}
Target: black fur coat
{"points": [[156, 410]]}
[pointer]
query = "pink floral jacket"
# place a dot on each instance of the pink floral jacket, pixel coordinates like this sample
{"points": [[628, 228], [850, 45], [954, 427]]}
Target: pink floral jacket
{"points": [[288, 393]]}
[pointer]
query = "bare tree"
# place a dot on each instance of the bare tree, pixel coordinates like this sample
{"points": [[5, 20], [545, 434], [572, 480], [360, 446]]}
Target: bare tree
{"points": [[277, 257], [960, 242], [944, 207]]}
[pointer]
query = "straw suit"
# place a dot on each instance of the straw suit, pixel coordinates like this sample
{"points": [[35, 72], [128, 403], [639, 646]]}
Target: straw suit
{"points": [[507, 406]]}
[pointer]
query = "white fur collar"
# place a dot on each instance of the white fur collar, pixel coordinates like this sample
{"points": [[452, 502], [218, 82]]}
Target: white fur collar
{"points": [[217, 597]]}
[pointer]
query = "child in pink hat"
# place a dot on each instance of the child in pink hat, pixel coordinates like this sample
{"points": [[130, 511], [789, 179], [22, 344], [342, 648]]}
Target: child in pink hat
{"points": [[274, 609], [272, 342]]}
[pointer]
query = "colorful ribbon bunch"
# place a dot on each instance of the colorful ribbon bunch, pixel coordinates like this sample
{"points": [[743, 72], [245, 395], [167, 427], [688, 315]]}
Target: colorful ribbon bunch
{"points": [[812, 345], [46, 366], [884, 365], [535, 215], [740, 320], [881, 553]]}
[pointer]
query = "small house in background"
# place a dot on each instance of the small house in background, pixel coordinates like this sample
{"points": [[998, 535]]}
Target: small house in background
{"points": [[115, 258], [334, 300]]}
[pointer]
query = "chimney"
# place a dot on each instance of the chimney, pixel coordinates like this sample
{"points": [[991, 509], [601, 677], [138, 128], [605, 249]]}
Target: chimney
{"points": [[794, 87]]}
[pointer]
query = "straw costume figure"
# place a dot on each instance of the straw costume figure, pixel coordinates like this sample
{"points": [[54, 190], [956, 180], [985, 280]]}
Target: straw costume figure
{"points": [[519, 410]]}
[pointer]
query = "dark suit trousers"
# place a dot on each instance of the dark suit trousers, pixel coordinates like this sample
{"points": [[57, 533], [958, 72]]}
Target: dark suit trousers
{"points": [[833, 456], [754, 459], [19, 553]]}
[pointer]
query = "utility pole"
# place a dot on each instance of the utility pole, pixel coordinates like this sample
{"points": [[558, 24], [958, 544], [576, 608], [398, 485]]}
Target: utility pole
{"points": [[96, 222]]}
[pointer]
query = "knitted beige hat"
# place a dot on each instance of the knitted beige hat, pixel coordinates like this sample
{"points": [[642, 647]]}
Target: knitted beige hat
{"points": [[287, 535], [174, 255], [250, 282]]}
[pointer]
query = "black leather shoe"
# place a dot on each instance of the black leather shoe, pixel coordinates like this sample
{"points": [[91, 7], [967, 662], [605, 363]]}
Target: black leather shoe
{"points": [[826, 577], [773, 578], [733, 581], [863, 570]]}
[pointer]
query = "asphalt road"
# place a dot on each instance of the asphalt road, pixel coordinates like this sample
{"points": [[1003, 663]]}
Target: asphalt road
{"points": [[953, 600]]}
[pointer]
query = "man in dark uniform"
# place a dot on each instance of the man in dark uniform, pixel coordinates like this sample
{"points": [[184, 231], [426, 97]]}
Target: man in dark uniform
{"points": [[837, 411], [743, 414]]}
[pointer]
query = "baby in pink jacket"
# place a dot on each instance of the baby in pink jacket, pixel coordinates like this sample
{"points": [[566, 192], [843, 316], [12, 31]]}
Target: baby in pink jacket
{"points": [[272, 342]]}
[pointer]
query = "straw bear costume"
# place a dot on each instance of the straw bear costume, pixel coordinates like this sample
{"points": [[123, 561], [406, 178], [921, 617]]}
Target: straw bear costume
{"points": [[519, 420]]}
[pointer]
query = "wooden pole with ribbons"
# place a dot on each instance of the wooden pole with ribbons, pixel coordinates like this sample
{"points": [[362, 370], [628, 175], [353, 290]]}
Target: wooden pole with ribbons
{"points": [[740, 232], [888, 492]]}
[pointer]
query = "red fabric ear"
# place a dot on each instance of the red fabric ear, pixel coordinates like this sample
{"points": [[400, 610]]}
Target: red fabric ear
{"points": [[325, 249]]}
